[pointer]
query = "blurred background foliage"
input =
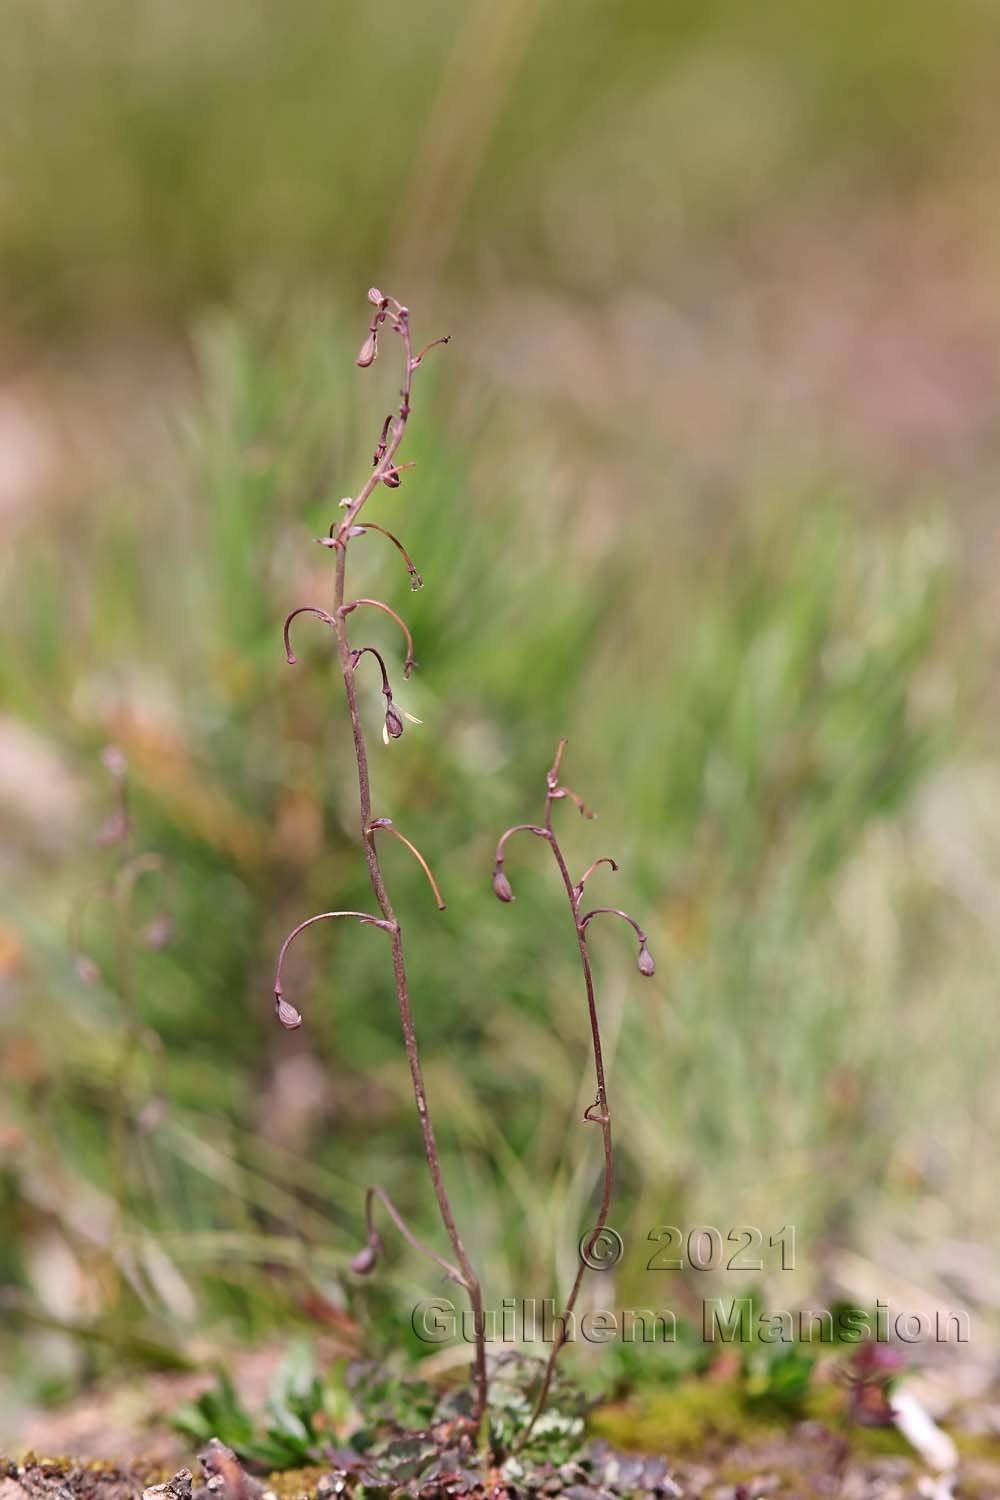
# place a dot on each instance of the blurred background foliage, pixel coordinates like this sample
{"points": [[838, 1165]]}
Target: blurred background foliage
{"points": [[705, 481]]}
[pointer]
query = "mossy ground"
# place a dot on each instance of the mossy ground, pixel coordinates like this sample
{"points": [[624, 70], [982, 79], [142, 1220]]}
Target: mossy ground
{"points": [[718, 1442], [720, 1447]]}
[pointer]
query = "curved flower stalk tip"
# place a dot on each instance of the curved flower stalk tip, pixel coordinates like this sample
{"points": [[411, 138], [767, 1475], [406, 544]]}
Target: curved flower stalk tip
{"points": [[393, 727], [390, 827], [644, 961], [335, 540], [286, 1012], [581, 806], [303, 609], [345, 609], [418, 359], [502, 888], [604, 860], [367, 1258], [393, 315], [598, 1113]]}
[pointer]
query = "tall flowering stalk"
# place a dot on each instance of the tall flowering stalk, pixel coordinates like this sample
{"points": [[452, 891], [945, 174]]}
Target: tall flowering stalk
{"points": [[598, 1113], [386, 471]]}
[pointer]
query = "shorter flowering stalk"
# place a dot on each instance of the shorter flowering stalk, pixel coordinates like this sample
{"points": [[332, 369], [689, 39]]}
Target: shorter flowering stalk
{"points": [[598, 1113]]}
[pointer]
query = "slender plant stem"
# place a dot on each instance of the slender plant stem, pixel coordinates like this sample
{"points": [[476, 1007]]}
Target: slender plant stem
{"points": [[390, 827], [386, 470], [573, 894], [598, 1113], [469, 1279], [452, 1272]]}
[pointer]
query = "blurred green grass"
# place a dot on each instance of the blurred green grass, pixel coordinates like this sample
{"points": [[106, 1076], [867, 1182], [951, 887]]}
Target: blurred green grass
{"points": [[770, 696], [155, 157]]}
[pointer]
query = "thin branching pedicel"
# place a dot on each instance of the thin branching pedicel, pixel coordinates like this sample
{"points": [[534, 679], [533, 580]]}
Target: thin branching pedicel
{"points": [[386, 471], [598, 1113]]}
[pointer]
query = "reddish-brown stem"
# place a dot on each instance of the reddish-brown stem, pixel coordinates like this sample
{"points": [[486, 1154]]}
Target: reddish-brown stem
{"points": [[375, 1191], [361, 651], [581, 806], [613, 911], [417, 358], [554, 792], [604, 1120], [469, 1279], [390, 827], [303, 609], [416, 582], [542, 833], [345, 609], [323, 916], [392, 436], [604, 860]]}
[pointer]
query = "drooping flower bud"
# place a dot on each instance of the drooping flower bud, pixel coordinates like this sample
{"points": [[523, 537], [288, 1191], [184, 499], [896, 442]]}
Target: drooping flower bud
{"points": [[393, 722], [368, 351], [501, 885], [364, 1263], [645, 961], [286, 1012], [375, 296], [391, 479]]}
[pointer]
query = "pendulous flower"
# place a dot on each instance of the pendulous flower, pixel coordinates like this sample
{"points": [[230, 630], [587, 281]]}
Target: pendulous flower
{"points": [[394, 726], [286, 1012], [393, 723], [366, 1260]]}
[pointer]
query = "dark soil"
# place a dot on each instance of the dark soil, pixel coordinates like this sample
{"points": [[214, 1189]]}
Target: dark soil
{"points": [[806, 1462]]}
